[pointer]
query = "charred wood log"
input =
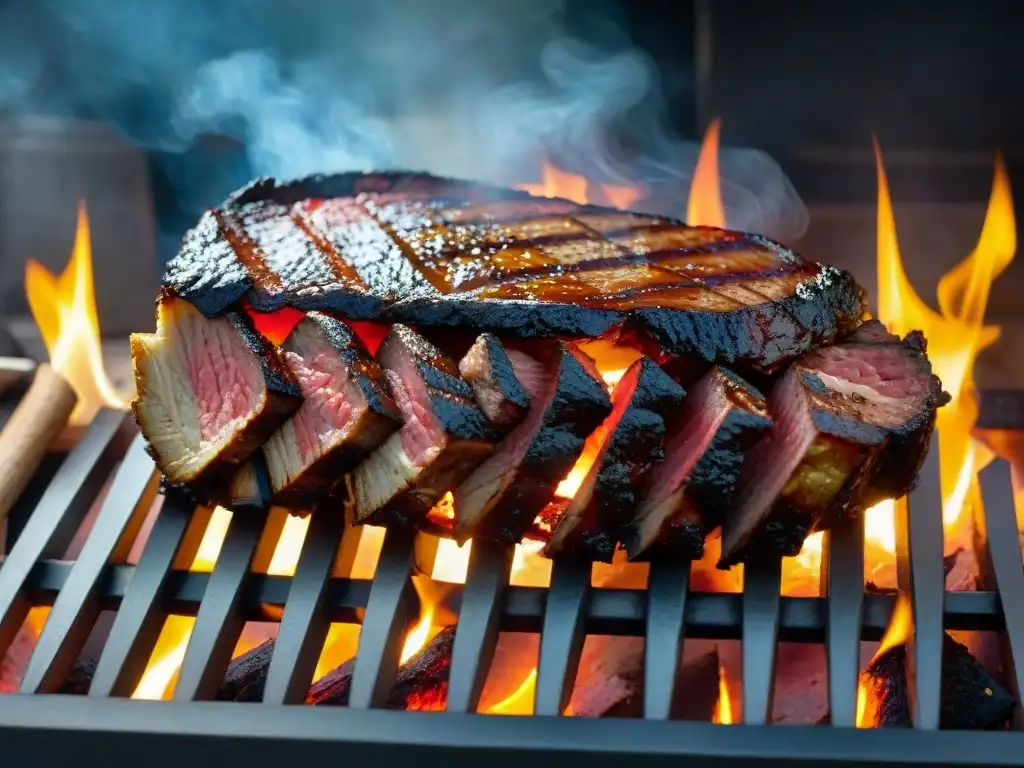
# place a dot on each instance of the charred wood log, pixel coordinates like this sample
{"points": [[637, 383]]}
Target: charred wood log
{"points": [[971, 699], [247, 675], [696, 694], [80, 678]]}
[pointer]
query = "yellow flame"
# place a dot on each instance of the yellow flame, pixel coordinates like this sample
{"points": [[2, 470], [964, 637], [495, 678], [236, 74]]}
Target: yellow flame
{"points": [[723, 709], [520, 701], [64, 309], [704, 208], [901, 624]]}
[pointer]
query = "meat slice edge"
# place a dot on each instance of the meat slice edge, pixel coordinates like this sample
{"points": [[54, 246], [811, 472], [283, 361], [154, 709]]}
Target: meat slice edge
{"points": [[629, 443], [444, 435], [688, 493], [347, 411], [210, 392], [486, 367], [501, 499]]}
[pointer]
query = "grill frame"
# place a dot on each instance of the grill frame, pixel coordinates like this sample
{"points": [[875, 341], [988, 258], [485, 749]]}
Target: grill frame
{"points": [[61, 727]]}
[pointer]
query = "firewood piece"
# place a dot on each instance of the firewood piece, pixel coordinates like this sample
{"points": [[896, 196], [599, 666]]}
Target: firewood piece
{"points": [[696, 696], [971, 699], [37, 421], [421, 684], [247, 674]]}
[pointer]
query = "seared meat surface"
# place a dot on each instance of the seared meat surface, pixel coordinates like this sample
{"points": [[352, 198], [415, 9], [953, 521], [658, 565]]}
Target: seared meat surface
{"points": [[444, 435], [305, 347], [210, 391], [852, 424], [438, 252]]}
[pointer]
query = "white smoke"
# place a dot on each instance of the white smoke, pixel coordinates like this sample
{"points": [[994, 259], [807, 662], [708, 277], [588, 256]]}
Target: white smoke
{"points": [[485, 89]]}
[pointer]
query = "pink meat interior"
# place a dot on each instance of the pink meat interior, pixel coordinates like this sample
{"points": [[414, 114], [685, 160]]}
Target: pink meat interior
{"points": [[475, 491], [705, 408], [225, 378], [327, 408], [530, 372], [421, 430]]}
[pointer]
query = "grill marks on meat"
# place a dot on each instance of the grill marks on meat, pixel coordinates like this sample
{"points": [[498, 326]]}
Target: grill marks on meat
{"points": [[486, 367], [443, 437], [688, 492], [852, 425], [629, 442], [503, 496], [439, 252], [210, 391], [347, 411]]}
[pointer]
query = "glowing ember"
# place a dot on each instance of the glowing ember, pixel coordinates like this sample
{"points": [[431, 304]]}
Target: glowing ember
{"points": [[64, 308]]}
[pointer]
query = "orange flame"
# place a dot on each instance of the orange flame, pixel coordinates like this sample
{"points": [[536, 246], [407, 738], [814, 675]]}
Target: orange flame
{"points": [[558, 183], [899, 629], [64, 308], [956, 335], [723, 709], [704, 208]]}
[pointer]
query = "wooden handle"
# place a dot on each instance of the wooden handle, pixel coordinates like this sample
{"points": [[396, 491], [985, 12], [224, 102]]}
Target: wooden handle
{"points": [[39, 418]]}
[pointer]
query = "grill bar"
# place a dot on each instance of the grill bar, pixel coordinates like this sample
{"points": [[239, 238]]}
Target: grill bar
{"points": [[476, 634], [762, 582], [561, 638], [76, 608], [921, 578], [842, 571], [141, 615], [304, 624], [668, 587]]}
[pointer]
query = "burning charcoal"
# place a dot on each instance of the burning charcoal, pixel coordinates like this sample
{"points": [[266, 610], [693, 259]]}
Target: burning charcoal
{"points": [[445, 435], [503, 496], [246, 676], [347, 411], [688, 493], [210, 391], [488, 370], [79, 678], [971, 699], [626, 446], [421, 683], [852, 424]]}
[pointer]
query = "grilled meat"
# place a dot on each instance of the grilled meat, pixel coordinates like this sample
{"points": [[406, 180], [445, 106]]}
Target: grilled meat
{"points": [[852, 425], [626, 445], [347, 411], [443, 437], [688, 493], [248, 489], [488, 370], [438, 252], [568, 401], [210, 391]]}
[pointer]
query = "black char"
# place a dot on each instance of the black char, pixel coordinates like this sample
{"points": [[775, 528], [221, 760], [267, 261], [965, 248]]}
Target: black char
{"points": [[499, 393]]}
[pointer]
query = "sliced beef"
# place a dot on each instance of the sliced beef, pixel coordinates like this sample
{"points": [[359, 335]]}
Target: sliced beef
{"points": [[210, 391], [446, 253], [499, 393], [347, 411], [443, 438], [503, 496], [852, 424], [626, 445], [688, 493]]}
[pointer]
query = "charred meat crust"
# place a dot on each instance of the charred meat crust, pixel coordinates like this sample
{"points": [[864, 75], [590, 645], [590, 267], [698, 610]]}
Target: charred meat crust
{"points": [[579, 404], [282, 398], [590, 528], [464, 433], [379, 418], [488, 370], [753, 330]]}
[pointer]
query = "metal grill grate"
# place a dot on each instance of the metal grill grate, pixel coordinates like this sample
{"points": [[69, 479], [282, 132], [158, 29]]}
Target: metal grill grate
{"points": [[62, 728]]}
